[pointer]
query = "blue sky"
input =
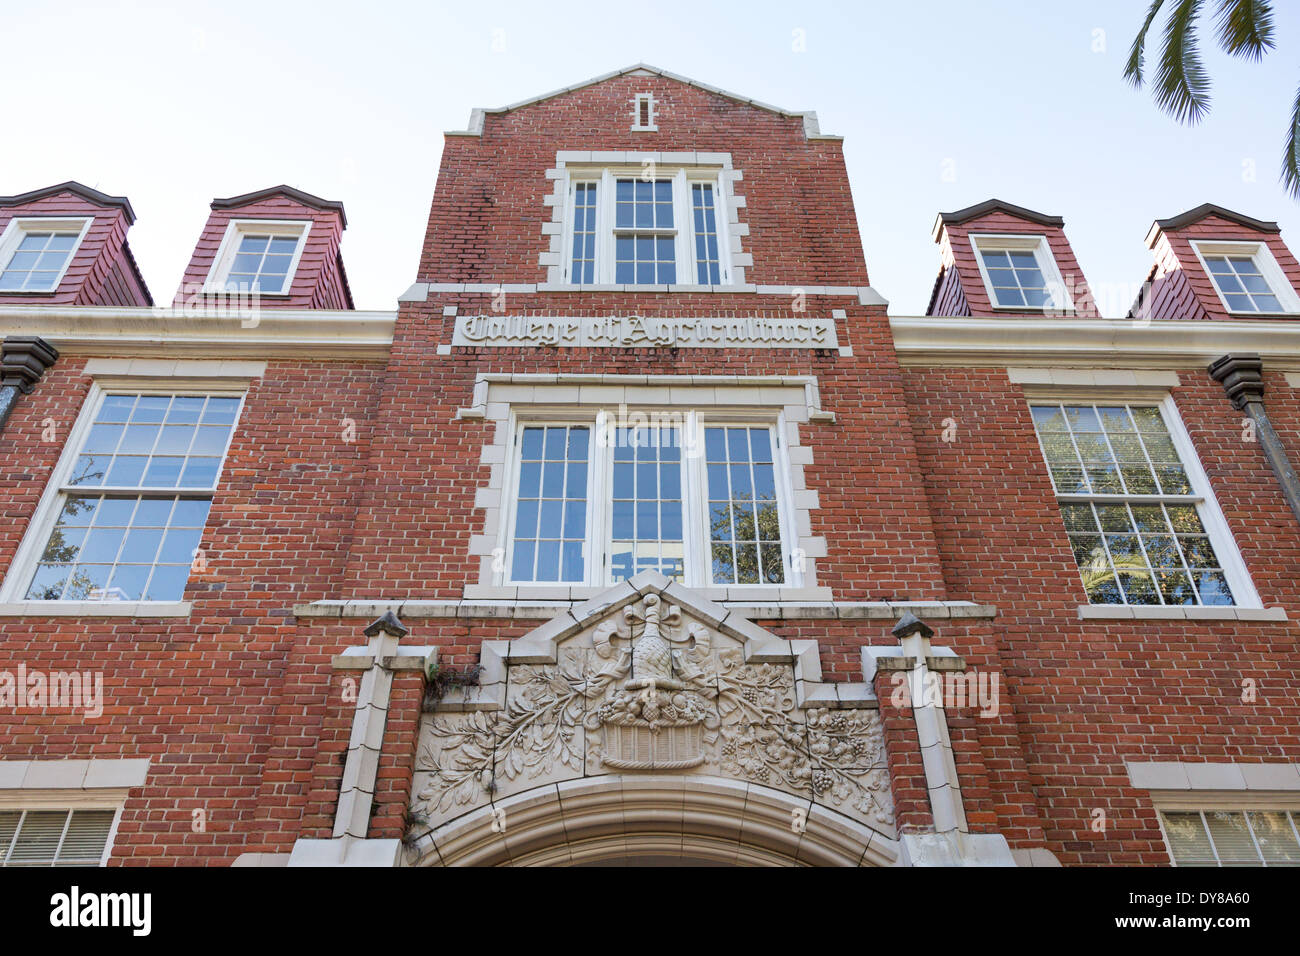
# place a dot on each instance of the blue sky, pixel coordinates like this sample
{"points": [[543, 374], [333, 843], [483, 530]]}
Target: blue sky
{"points": [[942, 104]]}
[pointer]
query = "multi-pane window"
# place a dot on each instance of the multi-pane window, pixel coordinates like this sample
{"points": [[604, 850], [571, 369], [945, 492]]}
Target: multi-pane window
{"points": [[584, 233], [38, 260], [133, 503], [259, 256], [706, 234], [1242, 284], [644, 236], [1016, 278], [54, 837], [646, 517], [1135, 521], [744, 520], [551, 516], [262, 262], [1233, 837], [645, 228], [631, 499]]}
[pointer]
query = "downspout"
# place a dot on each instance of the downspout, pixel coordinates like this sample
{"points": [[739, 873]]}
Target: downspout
{"points": [[23, 360], [1242, 377]]}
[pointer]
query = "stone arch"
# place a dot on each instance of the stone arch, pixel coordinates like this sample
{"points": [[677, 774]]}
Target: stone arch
{"points": [[690, 819]]}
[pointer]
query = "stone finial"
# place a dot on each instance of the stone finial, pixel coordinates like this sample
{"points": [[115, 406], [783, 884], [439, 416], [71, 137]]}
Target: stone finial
{"points": [[1242, 377], [910, 624], [24, 359], [389, 624]]}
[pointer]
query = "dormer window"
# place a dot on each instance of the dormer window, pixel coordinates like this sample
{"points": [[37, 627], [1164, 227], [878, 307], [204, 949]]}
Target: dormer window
{"points": [[652, 226], [1247, 277], [35, 252], [259, 256], [1020, 272]]}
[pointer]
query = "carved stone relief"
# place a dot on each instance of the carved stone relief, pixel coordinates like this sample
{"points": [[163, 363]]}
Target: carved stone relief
{"points": [[650, 688]]}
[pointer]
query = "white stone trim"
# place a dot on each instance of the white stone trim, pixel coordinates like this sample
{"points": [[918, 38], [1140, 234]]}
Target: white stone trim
{"points": [[511, 606], [702, 817], [96, 773], [1094, 377], [1025, 341], [134, 332], [1226, 777], [172, 368], [497, 396], [1154, 612], [144, 609]]}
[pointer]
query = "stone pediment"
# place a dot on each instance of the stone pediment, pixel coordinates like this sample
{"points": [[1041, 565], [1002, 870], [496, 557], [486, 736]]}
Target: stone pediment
{"points": [[650, 678]]}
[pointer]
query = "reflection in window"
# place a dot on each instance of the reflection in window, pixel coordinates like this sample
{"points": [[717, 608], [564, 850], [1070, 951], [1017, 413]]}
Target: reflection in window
{"points": [[647, 503], [551, 514], [156, 459], [1133, 520], [744, 523]]}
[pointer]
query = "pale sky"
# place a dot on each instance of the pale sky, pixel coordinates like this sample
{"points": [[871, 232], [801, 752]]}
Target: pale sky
{"points": [[942, 104]]}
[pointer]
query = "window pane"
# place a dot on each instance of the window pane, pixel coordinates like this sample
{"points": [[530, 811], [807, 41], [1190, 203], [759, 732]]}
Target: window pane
{"points": [[646, 528], [743, 509], [1147, 554], [550, 510], [1188, 840], [1276, 838], [107, 548]]}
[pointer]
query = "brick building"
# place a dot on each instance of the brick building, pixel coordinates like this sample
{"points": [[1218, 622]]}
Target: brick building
{"points": [[641, 530]]}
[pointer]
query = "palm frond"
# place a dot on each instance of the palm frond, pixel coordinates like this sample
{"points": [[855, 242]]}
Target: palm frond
{"points": [[1182, 86], [1136, 56], [1291, 158], [1246, 27]]}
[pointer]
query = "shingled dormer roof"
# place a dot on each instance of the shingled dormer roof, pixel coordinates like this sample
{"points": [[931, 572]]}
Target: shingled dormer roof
{"points": [[297, 195], [1204, 211], [85, 192], [993, 205]]}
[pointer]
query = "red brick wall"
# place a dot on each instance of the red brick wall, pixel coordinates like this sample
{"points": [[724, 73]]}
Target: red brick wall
{"points": [[1088, 695]]}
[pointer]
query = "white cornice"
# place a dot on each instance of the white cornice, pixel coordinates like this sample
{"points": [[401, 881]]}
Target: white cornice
{"points": [[1090, 343], [177, 333]]}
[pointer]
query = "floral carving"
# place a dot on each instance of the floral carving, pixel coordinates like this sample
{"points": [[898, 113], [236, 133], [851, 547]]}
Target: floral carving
{"points": [[662, 696]]}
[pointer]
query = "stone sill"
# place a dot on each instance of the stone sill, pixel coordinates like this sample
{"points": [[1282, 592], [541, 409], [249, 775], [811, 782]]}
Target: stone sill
{"points": [[140, 609], [1120, 612], [542, 610], [1174, 775]]}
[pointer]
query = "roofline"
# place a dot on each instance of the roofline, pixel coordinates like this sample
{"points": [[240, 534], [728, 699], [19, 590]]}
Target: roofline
{"points": [[992, 205], [811, 127], [76, 188], [1210, 209], [307, 199]]}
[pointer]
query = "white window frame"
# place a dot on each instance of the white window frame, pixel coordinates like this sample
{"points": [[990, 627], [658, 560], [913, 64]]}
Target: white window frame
{"points": [[21, 226], [1020, 242], [698, 554], [1220, 534], [67, 802], [14, 587], [1231, 803], [1262, 256], [236, 229], [651, 104], [682, 178]]}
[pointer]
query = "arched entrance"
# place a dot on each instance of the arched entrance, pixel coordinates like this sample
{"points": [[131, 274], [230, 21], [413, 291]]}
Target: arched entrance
{"points": [[656, 820]]}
